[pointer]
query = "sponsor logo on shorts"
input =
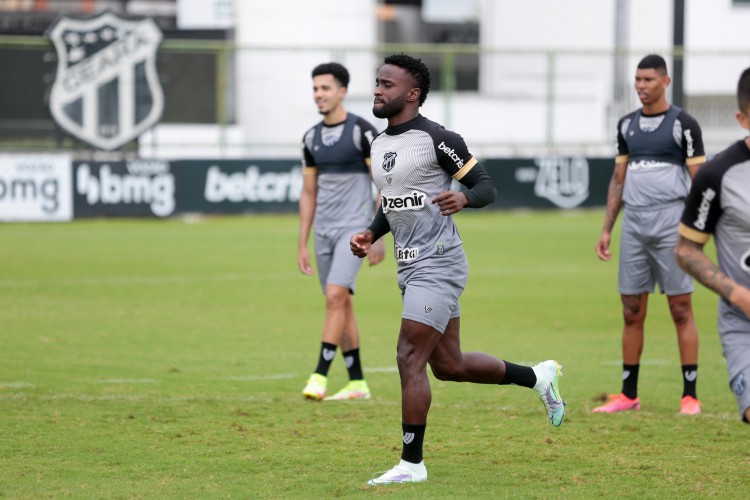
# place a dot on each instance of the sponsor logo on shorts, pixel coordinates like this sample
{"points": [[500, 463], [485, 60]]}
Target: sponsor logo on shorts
{"points": [[413, 201], [406, 254], [451, 154], [440, 248], [738, 384], [427, 309], [708, 196]]}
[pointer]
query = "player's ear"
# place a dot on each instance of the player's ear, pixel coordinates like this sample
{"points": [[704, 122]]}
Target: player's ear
{"points": [[414, 94], [743, 120]]}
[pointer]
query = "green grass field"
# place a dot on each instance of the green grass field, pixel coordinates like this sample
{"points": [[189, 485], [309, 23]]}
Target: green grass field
{"points": [[166, 359]]}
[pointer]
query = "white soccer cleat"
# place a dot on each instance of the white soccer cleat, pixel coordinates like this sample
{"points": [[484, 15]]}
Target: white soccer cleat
{"points": [[548, 374], [404, 472]]}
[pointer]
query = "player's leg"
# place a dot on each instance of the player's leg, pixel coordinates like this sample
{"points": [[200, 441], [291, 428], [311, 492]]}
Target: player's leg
{"points": [[415, 344], [357, 387], [333, 327], [634, 308], [341, 325], [316, 385], [681, 309], [734, 334], [448, 362], [635, 279], [678, 285]]}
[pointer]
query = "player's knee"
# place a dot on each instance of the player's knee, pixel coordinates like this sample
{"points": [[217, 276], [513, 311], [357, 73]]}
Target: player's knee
{"points": [[445, 373], [681, 312], [632, 314], [336, 299]]}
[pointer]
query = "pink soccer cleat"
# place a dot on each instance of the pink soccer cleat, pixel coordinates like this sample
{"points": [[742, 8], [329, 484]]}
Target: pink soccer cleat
{"points": [[619, 403]]}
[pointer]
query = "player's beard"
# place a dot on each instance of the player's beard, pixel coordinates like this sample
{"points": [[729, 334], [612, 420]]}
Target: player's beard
{"points": [[390, 108]]}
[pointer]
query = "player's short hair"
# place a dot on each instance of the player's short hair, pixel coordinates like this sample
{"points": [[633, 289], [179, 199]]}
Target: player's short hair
{"points": [[654, 61], [416, 68], [338, 71], [743, 91]]}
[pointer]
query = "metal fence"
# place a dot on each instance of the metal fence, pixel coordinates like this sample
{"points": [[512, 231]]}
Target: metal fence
{"points": [[504, 102]]}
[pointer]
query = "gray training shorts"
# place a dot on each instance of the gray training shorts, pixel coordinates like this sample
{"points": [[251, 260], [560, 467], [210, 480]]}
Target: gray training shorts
{"points": [[337, 265], [430, 294], [647, 255], [736, 347]]}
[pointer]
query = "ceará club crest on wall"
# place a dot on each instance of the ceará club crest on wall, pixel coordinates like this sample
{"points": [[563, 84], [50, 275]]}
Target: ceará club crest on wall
{"points": [[106, 90]]}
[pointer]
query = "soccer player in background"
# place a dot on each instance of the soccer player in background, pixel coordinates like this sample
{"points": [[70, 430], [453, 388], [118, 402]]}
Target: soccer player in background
{"points": [[659, 148], [337, 200], [413, 163], [719, 204]]}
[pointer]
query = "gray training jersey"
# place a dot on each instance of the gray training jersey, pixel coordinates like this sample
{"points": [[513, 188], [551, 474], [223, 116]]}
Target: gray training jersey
{"points": [[719, 204], [338, 154], [411, 164], [657, 148]]}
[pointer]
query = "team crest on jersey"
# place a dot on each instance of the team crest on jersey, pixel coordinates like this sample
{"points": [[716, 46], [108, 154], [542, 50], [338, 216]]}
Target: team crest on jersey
{"points": [[389, 161], [106, 90]]}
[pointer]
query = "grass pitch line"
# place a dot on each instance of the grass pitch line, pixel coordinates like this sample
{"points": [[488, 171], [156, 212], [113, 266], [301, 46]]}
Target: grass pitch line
{"points": [[128, 381]]}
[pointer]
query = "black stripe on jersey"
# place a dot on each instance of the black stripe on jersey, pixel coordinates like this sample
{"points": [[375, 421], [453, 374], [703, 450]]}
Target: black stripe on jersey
{"points": [[703, 204]]}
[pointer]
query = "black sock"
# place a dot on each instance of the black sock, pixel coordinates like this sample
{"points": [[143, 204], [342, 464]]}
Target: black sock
{"points": [[689, 380], [413, 439], [630, 380], [353, 366], [518, 375], [327, 352]]}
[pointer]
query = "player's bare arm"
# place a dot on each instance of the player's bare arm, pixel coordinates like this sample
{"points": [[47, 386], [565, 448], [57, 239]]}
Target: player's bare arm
{"points": [[306, 213], [614, 205], [693, 260]]}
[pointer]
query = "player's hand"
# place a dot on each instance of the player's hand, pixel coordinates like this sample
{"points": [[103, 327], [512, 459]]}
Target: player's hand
{"points": [[450, 202], [303, 261], [377, 253], [602, 246], [361, 243]]}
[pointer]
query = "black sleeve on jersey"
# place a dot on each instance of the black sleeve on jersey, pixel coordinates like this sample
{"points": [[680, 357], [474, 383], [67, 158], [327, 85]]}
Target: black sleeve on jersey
{"points": [[307, 158], [696, 134], [622, 145], [451, 150], [379, 225], [481, 190], [703, 203]]}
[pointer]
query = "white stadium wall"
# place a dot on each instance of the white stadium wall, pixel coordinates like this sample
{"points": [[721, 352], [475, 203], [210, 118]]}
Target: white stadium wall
{"points": [[511, 115]]}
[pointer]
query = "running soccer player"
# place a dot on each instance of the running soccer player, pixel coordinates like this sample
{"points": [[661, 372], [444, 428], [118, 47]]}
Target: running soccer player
{"points": [[659, 147], [337, 199], [719, 204], [414, 162]]}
